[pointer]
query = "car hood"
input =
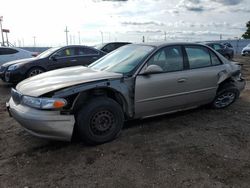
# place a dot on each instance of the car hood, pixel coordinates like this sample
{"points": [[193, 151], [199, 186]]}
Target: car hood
{"points": [[62, 78], [20, 61]]}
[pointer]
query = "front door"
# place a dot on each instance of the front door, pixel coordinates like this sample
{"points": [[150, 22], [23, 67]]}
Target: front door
{"points": [[63, 58], [162, 92]]}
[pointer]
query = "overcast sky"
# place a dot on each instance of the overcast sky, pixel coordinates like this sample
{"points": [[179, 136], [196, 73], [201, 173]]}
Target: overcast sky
{"points": [[124, 20]]}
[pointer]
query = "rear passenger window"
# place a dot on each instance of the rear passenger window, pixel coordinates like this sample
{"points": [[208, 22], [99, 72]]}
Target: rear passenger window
{"points": [[215, 60], [87, 51], [198, 57]]}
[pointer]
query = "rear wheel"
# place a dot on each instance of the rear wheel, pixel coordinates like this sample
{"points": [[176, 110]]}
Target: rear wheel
{"points": [[34, 71], [225, 96], [100, 120]]}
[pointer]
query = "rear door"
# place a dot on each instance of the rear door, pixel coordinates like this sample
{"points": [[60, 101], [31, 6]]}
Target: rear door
{"points": [[204, 71]]}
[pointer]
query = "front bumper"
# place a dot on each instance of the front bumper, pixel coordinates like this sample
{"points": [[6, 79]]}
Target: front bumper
{"points": [[43, 123], [13, 76]]}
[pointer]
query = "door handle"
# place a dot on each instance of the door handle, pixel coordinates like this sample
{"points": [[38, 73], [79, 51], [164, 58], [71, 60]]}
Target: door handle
{"points": [[94, 57], [73, 60], [181, 80]]}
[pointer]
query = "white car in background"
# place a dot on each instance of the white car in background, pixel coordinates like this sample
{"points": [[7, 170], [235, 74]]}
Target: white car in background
{"points": [[12, 53], [246, 50]]}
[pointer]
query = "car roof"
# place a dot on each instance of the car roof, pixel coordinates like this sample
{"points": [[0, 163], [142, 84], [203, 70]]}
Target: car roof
{"points": [[161, 44]]}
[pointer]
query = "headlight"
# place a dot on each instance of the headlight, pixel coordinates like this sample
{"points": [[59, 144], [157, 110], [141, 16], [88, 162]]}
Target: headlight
{"points": [[44, 103], [13, 67]]}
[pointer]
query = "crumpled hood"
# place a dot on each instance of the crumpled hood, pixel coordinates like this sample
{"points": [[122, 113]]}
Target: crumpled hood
{"points": [[20, 61], [61, 78]]}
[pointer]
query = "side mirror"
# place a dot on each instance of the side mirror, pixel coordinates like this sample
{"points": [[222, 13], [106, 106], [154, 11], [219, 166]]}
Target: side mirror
{"points": [[152, 69]]}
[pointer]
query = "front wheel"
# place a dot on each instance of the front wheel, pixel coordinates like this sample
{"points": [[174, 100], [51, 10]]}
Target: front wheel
{"points": [[34, 71], [225, 97], [100, 120]]}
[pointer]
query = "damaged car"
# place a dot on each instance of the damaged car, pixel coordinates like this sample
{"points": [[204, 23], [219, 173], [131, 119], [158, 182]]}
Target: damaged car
{"points": [[135, 81]]}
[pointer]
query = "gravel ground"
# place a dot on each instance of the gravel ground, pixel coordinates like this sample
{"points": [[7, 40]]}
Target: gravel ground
{"points": [[195, 148]]}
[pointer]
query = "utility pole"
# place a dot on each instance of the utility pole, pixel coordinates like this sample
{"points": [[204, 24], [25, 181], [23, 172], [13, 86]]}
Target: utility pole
{"points": [[1, 19], [143, 39], [220, 36], [66, 31], [7, 38], [102, 36], [79, 37], [34, 37], [165, 34]]}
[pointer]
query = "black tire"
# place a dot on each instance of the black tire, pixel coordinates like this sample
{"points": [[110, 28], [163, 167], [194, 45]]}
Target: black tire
{"points": [[225, 96], [99, 121], [34, 71]]}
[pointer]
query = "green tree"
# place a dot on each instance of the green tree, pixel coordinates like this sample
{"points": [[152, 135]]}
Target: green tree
{"points": [[246, 35]]}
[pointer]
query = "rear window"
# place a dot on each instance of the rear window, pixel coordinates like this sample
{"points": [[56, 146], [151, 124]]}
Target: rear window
{"points": [[7, 51]]}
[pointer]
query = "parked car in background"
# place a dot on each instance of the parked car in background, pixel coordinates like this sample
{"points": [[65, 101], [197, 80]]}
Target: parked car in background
{"points": [[228, 44], [135, 81], [224, 50], [246, 50], [11, 53], [109, 47], [53, 58]]}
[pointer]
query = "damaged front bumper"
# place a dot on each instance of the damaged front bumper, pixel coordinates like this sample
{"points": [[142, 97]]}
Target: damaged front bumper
{"points": [[43, 123]]}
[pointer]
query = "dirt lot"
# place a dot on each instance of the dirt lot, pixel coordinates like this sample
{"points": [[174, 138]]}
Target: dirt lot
{"points": [[197, 148]]}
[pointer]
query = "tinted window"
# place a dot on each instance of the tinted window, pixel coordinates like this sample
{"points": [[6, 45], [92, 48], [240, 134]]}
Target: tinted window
{"points": [[198, 57], [169, 59], [7, 51], [218, 47], [215, 60], [66, 52], [86, 51], [109, 47]]}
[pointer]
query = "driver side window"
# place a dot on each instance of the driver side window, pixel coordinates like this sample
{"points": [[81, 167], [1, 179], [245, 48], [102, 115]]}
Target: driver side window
{"points": [[66, 52], [169, 59]]}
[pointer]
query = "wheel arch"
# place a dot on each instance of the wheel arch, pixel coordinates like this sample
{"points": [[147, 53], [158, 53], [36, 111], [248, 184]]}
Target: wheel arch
{"points": [[84, 96], [37, 66]]}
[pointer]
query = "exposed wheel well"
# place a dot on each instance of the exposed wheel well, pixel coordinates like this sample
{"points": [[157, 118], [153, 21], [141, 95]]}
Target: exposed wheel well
{"points": [[83, 97], [223, 84]]}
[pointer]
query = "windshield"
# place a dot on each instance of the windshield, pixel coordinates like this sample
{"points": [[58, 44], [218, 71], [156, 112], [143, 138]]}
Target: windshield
{"points": [[123, 60], [48, 52]]}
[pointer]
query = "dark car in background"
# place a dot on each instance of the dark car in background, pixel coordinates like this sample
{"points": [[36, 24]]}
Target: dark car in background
{"points": [[222, 49], [53, 58], [109, 47]]}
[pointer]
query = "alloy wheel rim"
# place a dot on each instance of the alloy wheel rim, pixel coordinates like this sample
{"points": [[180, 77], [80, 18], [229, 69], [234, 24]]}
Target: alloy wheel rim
{"points": [[102, 122], [224, 99], [35, 72]]}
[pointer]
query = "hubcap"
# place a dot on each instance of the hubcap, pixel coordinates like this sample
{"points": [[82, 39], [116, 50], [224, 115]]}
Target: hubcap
{"points": [[102, 122], [35, 72], [224, 99]]}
